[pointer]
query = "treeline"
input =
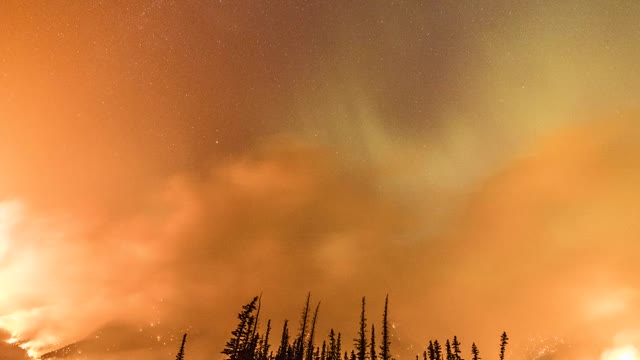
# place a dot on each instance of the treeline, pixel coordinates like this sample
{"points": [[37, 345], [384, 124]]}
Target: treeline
{"points": [[249, 343]]}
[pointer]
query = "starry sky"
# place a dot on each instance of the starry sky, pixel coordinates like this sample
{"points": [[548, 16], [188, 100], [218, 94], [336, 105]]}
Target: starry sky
{"points": [[164, 161]]}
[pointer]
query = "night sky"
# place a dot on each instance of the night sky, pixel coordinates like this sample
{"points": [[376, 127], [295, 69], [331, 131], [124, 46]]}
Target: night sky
{"points": [[162, 162]]}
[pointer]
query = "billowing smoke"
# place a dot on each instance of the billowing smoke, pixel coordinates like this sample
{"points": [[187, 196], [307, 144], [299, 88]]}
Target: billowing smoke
{"points": [[282, 220], [161, 162], [527, 253]]}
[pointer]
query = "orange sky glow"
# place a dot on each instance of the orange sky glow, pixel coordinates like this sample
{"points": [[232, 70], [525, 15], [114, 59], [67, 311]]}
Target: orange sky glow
{"points": [[162, 162]]}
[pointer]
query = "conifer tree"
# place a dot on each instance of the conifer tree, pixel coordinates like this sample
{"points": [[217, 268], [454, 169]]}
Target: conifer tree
{"points": [[503, 344], [299, 343], [432, 353], [353, 356], [323, 352], [361, 340], [456, 348], [339, 346], [252, 350], [372, 352], [385, 353], [437, 349], [249, 351], [241, 336], [255, 324], [424, 356], [475, 352], [264, 353], [310, 346], [333, 349], [284, 343], [448, 348], [180, 355]]}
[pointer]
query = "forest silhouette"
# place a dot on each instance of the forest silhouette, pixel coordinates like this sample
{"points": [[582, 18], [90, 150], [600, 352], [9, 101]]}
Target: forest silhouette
{"points": [[247, 342]]}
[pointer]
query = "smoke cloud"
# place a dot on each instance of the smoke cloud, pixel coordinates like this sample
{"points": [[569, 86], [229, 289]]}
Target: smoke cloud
{"points": [[162, 162], [283, 219], [526, 253]]}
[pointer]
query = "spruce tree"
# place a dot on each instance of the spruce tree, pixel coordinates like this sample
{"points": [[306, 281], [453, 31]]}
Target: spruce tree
{"points": [[475, 352], [456, 348], [241, 337], [180, 355], [361, 340], [437, 349], [448, 348], [310, 346], [503, 344], [265, 342], [372, 352], [333, 349], [252, 350], [385, 353], [432, 353], [249, 351], [284, 343], [255, 323], [299, 343]]}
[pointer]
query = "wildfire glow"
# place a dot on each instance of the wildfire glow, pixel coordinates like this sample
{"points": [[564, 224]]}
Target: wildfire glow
{"points": [[10, 213], [628, 352]]}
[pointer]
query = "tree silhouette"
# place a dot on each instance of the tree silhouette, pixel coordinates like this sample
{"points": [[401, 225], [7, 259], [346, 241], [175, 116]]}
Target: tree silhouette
{"points": [[432, 352], [385, 353], [448, 348], [241, 337], [299, 343], [475, 352], [372, 352], [180, 355], [248, 343], [310, 346], [264, 350], [334, 352], [361, 340], [255, 323], [456, 348], [503, 344], [437, 349], [284, 343]]}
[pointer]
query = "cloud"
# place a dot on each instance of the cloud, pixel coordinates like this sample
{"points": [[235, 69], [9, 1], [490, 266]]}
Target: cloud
{"points": [[284, 218], [543, 248]]}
